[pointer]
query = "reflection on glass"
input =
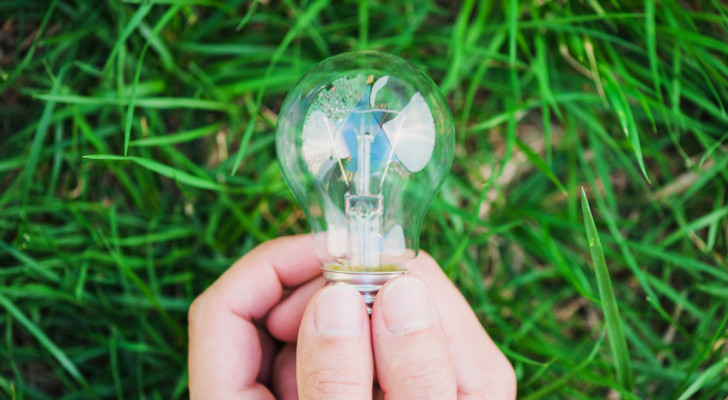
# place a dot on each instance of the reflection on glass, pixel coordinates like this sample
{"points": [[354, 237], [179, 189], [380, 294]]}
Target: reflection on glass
{"points": [[364, 140]]}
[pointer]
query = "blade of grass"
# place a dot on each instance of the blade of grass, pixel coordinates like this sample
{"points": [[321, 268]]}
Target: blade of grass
{"points": [[31, 52], [143, 287], [565, 378], [148, 102], [713, 228], [689, 264], [621, 106], [652, 45], [160, 47], [165, 170], [46, 342], [712, 148], [699, 223], [617, 340], [114, 361], [575, 276], [213, 3], [707, 349], [303, 21], [513, 13], [248, 14], [709, 374], [495, 44], [180, 137], [681, 299], [456, 46], [363, 25], [57, 158], [463, 243], [133, 96], [30, 263], [135, 20], [88, 68], [11, 357], [40, 134], [540, 164]]}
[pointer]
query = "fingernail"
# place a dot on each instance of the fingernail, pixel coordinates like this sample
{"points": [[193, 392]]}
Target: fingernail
{"points": [[406, 305], [338, 311]]}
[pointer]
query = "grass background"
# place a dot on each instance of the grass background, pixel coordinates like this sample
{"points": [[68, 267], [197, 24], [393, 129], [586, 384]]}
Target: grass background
{"points": [[624, 296]]}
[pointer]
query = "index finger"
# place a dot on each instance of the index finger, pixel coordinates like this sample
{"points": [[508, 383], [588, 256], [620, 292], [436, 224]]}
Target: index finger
{"points": [[224, 351], [480, 367]]}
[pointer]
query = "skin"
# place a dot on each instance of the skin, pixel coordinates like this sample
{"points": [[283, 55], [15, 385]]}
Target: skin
{"points": [[268, 328]]}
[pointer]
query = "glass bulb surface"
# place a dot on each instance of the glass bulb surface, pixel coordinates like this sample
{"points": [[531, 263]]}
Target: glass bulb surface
{"points": [[365, 139]]}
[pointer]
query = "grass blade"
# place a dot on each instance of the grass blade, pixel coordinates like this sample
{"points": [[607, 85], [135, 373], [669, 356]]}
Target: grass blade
{"points": [[40, 134], [456, 47], [29, 55], [148, 102], [46, 342], [165, 170], [621, 106], [136, 19], [617, 340], [363, 24], [707, 349], [248, 14], [513, 14], [303, 21], [180, 137], [540, 164], [135, 85], [30, 263], [707, 375], [652, 45], [564, 379]]}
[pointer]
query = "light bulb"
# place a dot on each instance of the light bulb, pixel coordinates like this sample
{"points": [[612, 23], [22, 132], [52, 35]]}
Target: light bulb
{"points": [[364, 140]]}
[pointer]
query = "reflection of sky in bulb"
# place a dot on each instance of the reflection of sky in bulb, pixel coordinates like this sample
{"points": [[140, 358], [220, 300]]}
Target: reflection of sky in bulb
{"points": [[364, 141], [365, 120], [402, 127]]}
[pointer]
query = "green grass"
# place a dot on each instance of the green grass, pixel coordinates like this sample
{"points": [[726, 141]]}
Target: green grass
{"points": [[137, 163]]}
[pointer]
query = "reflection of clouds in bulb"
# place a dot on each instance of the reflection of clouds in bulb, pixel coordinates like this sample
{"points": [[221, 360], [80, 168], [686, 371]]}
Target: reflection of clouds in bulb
{"points": [[337, 229], [393, 242], [365, 139], [344, 94], [323, 144], [378, 85], [412, 134], [330, 129]]}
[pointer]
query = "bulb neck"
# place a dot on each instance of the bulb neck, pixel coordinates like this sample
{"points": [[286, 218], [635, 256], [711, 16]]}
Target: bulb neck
{"points": [[364, 219], [367, 283]]}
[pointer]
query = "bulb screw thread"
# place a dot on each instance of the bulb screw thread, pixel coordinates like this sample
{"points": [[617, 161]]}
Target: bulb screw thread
{"points": [[367, 283]]}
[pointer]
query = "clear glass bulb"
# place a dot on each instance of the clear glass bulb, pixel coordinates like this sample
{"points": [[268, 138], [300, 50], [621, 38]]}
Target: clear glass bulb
{"points": [[365, 139]]}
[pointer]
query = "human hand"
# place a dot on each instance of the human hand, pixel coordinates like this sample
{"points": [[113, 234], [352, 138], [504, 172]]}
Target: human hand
{"points": [[425, 342], [233, 323], [436, 351]]}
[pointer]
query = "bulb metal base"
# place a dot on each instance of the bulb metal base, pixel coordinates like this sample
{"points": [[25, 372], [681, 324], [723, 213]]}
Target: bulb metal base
{"points": [[367, 283]]}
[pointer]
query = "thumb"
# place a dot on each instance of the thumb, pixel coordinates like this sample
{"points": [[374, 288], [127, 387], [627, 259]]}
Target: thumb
{"points": [[334, 356], [410, 347]]}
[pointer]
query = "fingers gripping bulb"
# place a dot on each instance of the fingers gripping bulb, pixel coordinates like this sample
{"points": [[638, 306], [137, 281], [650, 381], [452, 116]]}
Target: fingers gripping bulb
{"points": [[365, 140]]}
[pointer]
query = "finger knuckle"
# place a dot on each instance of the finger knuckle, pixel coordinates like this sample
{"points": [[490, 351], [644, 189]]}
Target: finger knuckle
{"points": [[272, 243], [333, 383], [431, 379]]}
